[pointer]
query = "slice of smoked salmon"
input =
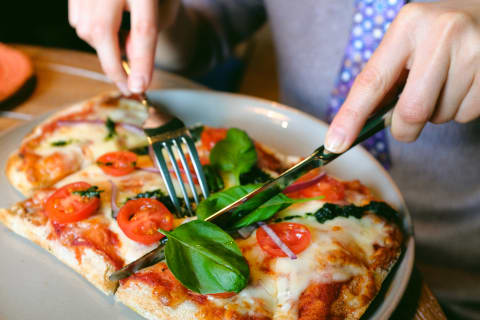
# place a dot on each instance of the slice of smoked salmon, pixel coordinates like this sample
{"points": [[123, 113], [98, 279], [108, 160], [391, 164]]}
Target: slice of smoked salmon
{"points": [[16, 69]]}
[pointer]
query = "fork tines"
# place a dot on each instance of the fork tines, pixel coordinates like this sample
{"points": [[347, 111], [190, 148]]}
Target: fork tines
{"points": [[172, 141]]}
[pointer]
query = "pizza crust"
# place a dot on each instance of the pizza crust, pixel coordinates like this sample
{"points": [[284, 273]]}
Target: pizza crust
{"points": [[93, 267]]}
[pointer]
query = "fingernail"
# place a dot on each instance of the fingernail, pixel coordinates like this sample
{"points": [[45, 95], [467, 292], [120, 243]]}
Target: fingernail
{"points": [[335, 141], [123, 87], [136, 83]]}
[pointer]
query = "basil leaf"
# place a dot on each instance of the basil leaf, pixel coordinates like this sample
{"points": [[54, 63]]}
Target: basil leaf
{"points": [[235, 220], [163, 198], [331, 211], [111, 129], [91, 192], [254, 176], [61, 143], [233, 156], [141, 151], [205, 259], [214, 181]]}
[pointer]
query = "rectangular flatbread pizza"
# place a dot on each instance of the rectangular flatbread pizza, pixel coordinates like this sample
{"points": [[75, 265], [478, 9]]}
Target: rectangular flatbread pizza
{"points": [[319, 250]]}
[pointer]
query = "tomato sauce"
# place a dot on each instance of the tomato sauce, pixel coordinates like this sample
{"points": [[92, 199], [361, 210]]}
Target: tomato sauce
{"points": [[93, 234]]}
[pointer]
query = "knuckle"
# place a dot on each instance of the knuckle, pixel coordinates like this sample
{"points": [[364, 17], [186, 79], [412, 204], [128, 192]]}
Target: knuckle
{"points": [[411, 12], [99, 30], [413, 112], [83, 31], [351, 113], [145, 28], [371, 77], [453, 22], [402, 133]]}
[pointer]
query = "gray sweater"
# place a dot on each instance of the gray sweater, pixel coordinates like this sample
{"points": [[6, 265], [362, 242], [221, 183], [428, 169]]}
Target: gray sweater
{"points": [[438, 174]]}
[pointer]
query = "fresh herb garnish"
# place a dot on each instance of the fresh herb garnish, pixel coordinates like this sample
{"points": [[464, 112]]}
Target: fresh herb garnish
{"points": [[254, 176], [141, 151], [331, 211], [205, 259], [91, 192], [196, 133], [163, 198], [61, 143], [262, 212], [105, 164], [214, 180], [233, 156], [111, 129]]}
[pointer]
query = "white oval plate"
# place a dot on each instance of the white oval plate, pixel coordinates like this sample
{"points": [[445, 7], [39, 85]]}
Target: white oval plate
{"points": [[34, 285]]}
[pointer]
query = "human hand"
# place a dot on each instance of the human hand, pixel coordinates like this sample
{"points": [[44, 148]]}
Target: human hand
{"points": [[98, 23], [439, 44]]}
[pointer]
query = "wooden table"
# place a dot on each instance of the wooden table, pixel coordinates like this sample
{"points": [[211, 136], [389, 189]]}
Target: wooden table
{"points": [[70, 76]]}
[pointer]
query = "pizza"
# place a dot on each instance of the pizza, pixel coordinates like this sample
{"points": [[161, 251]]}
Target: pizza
{"points": [[319, 250], [73, 138]]}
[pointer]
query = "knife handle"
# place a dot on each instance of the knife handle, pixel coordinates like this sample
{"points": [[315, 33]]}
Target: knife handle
{"points": [[376, 123]]}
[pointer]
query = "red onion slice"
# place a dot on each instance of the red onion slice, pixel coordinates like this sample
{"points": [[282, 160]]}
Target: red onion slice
{"points": [[127, 126], [131, 127], [113, 198], [149, 169], [278, 241], [304, 184]]}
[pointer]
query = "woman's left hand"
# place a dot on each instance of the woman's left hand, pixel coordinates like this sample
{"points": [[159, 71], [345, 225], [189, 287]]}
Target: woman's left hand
{"points": [[439, 44]]}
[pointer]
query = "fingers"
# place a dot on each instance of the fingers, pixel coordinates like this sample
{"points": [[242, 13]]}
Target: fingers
{"points": [[73, 12], [98, 23], [142, 44], [370, 87], [420, 95], [470, 108]]}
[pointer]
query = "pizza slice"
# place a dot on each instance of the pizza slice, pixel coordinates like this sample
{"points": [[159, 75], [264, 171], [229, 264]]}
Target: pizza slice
{"points": [[343, 251], [73, 138]]}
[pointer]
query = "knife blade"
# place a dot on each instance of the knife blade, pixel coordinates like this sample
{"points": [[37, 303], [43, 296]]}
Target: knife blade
{"points": [[320, 157]]}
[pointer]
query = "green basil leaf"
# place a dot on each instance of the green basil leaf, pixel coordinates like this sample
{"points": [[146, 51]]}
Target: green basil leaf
{"points": [[214, 180], [163, 198], [61, 143], [205, 259], [254, 176], [261, 212], [140, 150], [92, 192], [233, 156], [331, 211], [111, 129]]}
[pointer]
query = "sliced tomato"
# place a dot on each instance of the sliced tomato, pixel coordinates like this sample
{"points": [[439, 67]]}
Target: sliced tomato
{"points": [[210, 136], [330, 188], [140, 220], [117, 163], [294, 235], [63, 206]]}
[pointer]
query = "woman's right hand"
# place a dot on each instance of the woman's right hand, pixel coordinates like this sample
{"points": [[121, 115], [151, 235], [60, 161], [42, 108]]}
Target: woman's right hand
{"points": [[98, 23]]}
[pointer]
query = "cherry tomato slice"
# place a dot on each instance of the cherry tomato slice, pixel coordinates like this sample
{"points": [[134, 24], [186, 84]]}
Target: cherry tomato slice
{"points": [[117, 163], [210, 136], [63, 206], [330, 188], [295, 236], [140, 219]]}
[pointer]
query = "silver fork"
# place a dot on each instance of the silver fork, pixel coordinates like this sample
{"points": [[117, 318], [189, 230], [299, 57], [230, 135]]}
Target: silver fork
{"points": [[165, 132]]}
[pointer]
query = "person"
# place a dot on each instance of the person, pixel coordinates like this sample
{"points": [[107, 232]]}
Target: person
{"points": [[431, 49]]}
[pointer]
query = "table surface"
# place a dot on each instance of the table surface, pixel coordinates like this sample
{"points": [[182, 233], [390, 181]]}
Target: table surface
{"points": [[70, 76]]}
